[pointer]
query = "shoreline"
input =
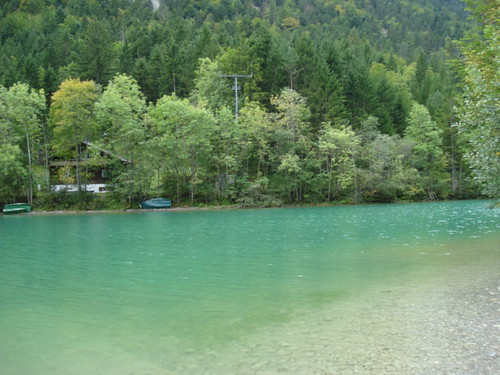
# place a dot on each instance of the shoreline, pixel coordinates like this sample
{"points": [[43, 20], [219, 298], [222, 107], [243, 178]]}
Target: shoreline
{"points": [[172, 209], [125, 210], [221, 207]]}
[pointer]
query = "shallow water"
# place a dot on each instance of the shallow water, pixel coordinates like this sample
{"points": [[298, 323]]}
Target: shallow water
{"points": [[164, 292]]}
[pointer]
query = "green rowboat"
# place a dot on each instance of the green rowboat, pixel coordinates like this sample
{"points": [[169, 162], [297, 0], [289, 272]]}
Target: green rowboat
{"points": [[156, 203], [16, 208]]}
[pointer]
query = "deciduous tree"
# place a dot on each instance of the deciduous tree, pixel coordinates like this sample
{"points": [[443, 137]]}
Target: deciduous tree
{"points": [[428, 155], [120, 114], [72, 118], [338, 146], [479, 104], [291, 135], [22, 114], [12, 172], [183, 134]]}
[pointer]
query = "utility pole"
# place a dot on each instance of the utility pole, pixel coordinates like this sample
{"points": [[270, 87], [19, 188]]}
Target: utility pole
{"points": [[236, 88]]}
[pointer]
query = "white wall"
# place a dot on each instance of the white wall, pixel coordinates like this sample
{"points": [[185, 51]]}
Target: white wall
{"points": [[96, 188]]}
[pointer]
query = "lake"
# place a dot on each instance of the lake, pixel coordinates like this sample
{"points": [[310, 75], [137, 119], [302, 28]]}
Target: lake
{"points": [[222, 291]]}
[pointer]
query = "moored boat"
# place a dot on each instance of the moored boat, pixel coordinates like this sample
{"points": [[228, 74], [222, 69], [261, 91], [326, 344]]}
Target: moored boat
{"points": [[156, 203], [16, 208]]}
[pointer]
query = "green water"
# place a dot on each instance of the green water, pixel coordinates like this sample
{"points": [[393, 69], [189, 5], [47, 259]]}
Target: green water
{"points": [[151, 293]]}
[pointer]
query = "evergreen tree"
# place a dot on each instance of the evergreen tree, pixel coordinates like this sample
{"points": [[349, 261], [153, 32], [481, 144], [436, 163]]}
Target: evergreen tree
{"points": [[96, 59]]}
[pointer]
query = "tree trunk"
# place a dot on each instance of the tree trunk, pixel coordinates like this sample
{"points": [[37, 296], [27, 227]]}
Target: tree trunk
{"points": [[46, 149], [453, 156], [78, 158], [329, 171], [30, 171]]}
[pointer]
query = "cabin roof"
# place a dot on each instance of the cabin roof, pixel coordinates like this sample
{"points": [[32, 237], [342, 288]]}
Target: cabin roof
{"points": [[73, 162], [106, 152]]}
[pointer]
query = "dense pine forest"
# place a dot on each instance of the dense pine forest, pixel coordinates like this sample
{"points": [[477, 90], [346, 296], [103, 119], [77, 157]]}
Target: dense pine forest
{"points": [[337, 100]]}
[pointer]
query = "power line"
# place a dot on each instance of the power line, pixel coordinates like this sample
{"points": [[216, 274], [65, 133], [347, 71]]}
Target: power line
{"points": [[236, 88]]}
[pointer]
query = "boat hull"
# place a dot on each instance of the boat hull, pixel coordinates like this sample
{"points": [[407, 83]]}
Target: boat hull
{"points": [[16, 208], [156, 203]]}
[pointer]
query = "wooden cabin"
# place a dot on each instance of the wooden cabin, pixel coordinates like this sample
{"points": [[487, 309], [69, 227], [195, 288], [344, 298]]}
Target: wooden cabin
{"points": [[93, 164]]}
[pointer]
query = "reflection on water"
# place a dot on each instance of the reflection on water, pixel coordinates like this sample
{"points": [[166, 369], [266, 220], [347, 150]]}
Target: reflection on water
{"points": [[162, 291]]}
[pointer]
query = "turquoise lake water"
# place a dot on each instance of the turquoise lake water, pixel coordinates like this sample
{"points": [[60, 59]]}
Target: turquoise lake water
{"points": [[157, 292]]}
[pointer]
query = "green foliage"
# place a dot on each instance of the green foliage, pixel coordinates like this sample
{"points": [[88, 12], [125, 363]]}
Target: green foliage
{"points": [[12, 173], [22, 115], [256, 194], [226, 152], [78, 201], [291, 136], [426, 135], [120, 116], [291, 121], [119, 113], [21, 118], [384, 172], [338, 146], [72, 118], [183, 134], [96, 57], [428, 155], [254, 138], [71, 115], [320, 119], [479, 103], [211, 90]]}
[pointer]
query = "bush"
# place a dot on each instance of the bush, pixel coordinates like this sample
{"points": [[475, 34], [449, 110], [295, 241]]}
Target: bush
{"points": [[255, 195], [80, 201]]}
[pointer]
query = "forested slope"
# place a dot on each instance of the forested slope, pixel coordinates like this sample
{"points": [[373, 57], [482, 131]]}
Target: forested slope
{"points": [[348, 99], [292, 42]]}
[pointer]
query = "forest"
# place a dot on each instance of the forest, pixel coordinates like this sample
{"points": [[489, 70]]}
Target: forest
{"points": [[336, 101]]}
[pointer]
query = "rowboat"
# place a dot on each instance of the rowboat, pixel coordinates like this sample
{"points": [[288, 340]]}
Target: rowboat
{"points": [[16, 208], [156, 203]]}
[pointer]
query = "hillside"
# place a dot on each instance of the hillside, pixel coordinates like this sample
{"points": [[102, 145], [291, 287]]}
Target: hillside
{"points": [[45, 41], [375, 71]]}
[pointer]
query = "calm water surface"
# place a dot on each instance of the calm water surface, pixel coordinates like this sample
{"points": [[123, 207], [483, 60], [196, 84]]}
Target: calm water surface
{"points": [[146, 293]]}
